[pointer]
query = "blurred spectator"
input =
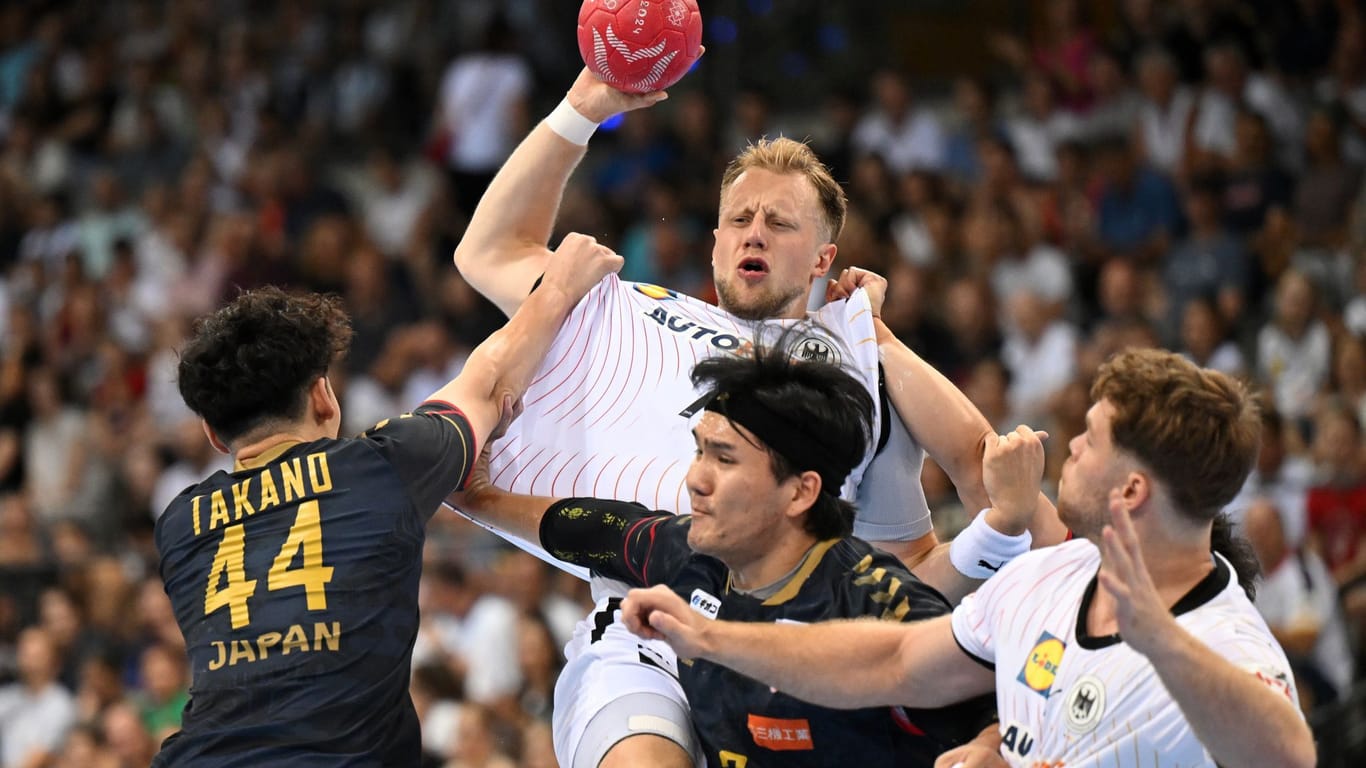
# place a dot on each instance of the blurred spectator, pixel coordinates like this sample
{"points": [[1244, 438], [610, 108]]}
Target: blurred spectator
{"points": [[1299, 601], [1254, 182], [127, 736], [1208, 263], [1346, 85], [165, 690], [1166, 114], [905, 136], [1040, 127], [482, 111], [1328, 185], [1118, 104], [1138, 213], [1337, 500], [474, 633], [478, 745], [1227, 85], [1062, 50], [1040, 353], [974, 106], [1204, 339], [35, 712], [1293, 348]]}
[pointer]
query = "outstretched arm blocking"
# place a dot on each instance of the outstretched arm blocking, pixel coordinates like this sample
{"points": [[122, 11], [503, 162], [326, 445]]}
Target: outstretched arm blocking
{"points": [[845, 664]]}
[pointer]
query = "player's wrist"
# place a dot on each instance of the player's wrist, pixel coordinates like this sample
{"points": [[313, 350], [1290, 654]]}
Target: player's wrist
{"points": [[570, 123], [980, 550]]}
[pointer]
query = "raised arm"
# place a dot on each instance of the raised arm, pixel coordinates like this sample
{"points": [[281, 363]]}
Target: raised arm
{"points": [[1242, 720], [504, 249], [499, 370], [844, 664]]}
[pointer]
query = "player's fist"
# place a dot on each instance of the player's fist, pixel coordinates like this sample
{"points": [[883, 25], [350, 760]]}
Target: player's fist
{"points": [[853, 278], [1012, 469], [580, 263], [658, 613]]}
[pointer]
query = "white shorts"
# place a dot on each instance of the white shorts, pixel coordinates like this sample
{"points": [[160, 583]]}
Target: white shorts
{"points": [[607, 663]]}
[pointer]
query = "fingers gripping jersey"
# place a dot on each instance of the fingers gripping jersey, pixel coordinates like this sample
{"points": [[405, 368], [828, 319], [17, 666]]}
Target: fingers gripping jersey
{"points": [[295, 582], [1066, 698], [602, 416]]}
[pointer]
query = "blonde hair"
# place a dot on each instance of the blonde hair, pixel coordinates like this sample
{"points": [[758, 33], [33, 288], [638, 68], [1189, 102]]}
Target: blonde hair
{"points": [[784, 155]]}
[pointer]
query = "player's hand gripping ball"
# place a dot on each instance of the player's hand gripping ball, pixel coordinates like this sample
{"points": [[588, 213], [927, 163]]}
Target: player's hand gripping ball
{"points": [[640, 46]]}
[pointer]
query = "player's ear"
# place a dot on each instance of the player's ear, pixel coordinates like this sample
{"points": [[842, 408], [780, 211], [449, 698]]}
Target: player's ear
{"points": [[806, 488], [218, 444], [825, 257], [322, 400]]}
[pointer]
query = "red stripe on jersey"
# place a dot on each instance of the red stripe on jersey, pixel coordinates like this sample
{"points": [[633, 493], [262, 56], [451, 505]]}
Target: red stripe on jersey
{"points": [[511, 463], [616, 489], [541, 471], [641, 477], [578, 318], [904, 723], [626, 549], [602, 347], [525, 467], [578, 361], [660, 484], [598, 479], [556, 480], [631, 372], [451, 409]]}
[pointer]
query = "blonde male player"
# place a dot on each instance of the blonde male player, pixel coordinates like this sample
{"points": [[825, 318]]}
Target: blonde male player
{"points": [[1132, 646], [603, 416]]}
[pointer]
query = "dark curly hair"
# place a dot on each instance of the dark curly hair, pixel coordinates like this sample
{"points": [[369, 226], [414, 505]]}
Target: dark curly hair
{"points": [[252, 361], [829, 411]]}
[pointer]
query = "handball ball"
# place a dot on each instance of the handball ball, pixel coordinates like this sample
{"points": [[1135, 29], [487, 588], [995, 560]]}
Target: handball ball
{"points": [[640, 46]]}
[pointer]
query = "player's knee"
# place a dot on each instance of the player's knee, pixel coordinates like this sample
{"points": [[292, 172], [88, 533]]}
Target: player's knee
{"points": [[646, 749]]}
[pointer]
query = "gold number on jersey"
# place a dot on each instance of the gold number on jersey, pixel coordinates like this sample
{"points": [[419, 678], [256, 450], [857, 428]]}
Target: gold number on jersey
{"points": [[305, 534], [312, 575], [733, 760], [227, 561]]}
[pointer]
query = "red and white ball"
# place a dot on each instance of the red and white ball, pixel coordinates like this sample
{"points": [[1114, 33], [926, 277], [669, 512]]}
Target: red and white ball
{"points": [[640, 46]]}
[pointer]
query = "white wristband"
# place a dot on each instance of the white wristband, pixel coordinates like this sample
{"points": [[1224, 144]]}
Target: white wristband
{"points": [[980, 550], [570, 125]]}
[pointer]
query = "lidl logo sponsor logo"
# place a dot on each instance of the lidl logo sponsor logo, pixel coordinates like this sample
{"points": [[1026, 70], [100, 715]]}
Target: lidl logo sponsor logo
{"points": [[1085, 704], [658, 293], [1041, 665]]}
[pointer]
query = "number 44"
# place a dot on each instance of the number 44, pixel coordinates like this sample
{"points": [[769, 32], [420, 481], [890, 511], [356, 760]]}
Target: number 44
{"points": [[312, 575]]}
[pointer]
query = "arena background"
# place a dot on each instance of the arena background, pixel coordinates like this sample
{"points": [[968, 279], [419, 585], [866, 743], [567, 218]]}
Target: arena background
{"points": [[1008, 168]]}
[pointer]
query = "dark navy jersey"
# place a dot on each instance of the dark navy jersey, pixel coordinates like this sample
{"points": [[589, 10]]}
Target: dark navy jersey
{"points": [[741, 722], [294, 580]]}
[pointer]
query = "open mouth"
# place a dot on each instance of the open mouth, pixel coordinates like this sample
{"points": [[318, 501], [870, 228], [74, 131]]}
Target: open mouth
{"points": [[753, 267]]}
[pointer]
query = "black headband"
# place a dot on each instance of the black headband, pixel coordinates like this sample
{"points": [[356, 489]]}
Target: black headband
{"points": [[802, 449]]}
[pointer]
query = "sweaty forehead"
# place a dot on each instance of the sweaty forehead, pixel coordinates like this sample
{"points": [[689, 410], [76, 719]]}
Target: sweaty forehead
{"points": [[713, 427]]}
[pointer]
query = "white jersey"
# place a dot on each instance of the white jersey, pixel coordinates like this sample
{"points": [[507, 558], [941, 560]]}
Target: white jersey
{"points": [[1065, 698], [603, 416]]}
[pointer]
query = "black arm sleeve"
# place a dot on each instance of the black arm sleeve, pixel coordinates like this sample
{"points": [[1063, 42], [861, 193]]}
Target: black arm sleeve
{"points": [[618, 539], [432, 449]]}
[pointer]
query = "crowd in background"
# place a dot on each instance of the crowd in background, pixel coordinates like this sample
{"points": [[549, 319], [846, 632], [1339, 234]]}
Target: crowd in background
{"points": [[1189, 175]]}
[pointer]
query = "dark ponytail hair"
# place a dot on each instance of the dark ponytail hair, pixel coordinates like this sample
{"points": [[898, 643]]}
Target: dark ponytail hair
{"points": [[1238, 551]]}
